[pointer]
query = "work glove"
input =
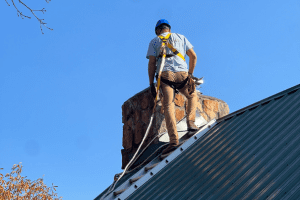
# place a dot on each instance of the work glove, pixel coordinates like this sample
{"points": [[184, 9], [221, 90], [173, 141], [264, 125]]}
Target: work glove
{"points": [[153, 90], [191, 84]]}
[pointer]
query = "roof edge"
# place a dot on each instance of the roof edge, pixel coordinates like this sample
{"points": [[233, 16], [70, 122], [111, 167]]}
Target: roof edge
{"points": [[282, 93]]}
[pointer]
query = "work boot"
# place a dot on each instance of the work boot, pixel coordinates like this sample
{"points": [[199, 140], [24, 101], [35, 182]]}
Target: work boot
{"points": [[191, 126], [170, 148]]}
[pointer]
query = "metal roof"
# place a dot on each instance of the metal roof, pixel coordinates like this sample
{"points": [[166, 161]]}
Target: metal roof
{"points": [[141, 175], [253, 153]]}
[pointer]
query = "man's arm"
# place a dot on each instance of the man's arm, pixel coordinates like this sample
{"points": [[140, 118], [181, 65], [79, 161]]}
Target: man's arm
{"points": [[193, 60], [151, 68]]}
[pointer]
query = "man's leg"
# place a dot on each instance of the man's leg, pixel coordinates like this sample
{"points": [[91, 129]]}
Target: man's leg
{"points": [[191, 101], [169, 111]]}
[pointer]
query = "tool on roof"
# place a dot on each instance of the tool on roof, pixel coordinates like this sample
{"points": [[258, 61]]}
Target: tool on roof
{"points": [[198, 81]]}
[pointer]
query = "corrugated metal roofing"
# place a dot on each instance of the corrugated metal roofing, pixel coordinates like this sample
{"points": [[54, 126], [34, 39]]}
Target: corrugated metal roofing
{"points": [[122, 180], [253, 153]]}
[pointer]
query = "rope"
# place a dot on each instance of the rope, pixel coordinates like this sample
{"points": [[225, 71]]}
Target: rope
{"points": [[163, 48], [148, 157], [132, 159], [161, 134], [145, 149]]}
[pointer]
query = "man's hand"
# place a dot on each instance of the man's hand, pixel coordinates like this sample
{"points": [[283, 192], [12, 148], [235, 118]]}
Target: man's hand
{"points": [[193, 60], [153, 90]]}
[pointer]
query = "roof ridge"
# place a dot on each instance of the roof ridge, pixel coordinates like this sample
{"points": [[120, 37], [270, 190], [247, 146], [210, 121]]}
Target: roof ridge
{"points": [[251, 106]]}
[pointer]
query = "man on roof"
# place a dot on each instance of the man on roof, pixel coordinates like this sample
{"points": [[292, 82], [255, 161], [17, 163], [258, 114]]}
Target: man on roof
{"points": [[176, 76]]}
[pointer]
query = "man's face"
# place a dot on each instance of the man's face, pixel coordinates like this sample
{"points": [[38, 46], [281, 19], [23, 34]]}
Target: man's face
{"points": [[159, 31]]}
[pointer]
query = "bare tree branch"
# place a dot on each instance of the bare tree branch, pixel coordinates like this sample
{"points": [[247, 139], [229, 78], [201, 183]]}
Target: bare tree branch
{"points": [[20, 14], [7, 2]]}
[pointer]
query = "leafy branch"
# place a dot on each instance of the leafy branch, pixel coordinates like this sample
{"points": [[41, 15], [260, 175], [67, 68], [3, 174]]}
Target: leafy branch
{"points": [[20, 14]]}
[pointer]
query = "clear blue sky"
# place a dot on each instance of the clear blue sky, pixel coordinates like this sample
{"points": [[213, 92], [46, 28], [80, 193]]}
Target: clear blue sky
{"points": [[61, 93]]}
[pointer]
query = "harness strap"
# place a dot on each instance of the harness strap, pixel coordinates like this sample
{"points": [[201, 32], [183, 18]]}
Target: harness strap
{"points": [[167, 56], [175, 51], [165, 40], [175, 86]]}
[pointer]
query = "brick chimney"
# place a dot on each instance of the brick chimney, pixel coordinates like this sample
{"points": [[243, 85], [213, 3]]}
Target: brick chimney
{"points": [[137, 110]]}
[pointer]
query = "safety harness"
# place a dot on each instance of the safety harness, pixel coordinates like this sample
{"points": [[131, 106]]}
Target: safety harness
{"points": [[165, 40], [175, 86]]}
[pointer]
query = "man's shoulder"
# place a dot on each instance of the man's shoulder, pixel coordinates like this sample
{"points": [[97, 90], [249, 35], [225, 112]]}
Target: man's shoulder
{"points": [[154, 39], [174, 35], [178, 35]]}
